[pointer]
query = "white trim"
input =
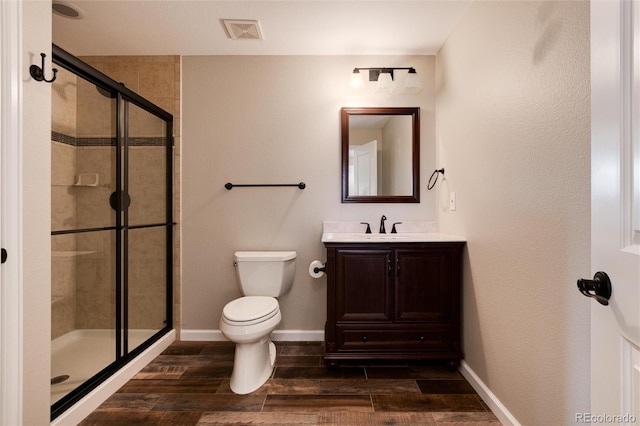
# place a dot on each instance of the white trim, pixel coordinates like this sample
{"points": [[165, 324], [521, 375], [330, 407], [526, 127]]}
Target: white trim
{"points": [[278, 336], [11, 323], [89, 403], [630, 378], [492, 401], [634, 82]]}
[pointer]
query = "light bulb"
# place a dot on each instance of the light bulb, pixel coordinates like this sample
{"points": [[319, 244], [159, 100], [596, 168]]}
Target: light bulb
{"points": [[385, 83], [357, 82], [412, 83]]}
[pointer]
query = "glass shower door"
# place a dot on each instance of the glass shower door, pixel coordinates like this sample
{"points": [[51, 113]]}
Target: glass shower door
{"points": [[84, 232], [147, 218], [112, 260]]}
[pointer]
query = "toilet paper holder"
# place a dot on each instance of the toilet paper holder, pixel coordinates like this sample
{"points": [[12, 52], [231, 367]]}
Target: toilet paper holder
{"points": [[317, 269], [321, 269]]}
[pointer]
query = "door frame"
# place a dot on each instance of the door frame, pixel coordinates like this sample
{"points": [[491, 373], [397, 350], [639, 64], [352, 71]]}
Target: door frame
{"points": [[11, 325]]}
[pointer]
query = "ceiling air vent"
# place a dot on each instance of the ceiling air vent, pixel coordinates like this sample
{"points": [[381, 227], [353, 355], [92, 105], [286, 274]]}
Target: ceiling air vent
{"points": [[242, 29]]}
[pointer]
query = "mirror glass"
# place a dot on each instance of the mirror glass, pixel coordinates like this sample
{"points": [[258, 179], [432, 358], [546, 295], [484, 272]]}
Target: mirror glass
{"points": [[380, 155]]}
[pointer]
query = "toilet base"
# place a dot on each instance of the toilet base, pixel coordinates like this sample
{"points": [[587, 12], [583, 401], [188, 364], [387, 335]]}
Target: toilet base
{"points": [[252, 365]]}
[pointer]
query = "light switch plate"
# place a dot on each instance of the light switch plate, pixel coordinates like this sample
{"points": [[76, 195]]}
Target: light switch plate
{"points": [[452, 201]]}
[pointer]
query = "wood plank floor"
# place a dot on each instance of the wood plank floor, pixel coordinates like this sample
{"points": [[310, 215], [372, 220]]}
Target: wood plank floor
{"points": [[188, 384]]}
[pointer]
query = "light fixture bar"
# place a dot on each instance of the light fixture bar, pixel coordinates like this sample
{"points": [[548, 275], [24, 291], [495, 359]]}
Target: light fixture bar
{"points": [[374, 72], [411, 85]]}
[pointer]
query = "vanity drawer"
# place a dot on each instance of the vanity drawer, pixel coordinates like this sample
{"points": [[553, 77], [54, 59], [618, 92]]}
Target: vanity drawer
{"points": [[380, 337]]}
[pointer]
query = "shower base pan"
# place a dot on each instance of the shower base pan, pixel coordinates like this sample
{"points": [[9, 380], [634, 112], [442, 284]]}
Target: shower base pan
{"points": [[80, 354]]}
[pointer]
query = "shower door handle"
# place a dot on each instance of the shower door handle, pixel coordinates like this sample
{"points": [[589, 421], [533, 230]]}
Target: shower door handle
{"points": [[4, 255], [117, 200]]}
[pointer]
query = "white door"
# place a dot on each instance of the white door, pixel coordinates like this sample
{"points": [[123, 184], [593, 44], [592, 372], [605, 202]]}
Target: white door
{"points": [[615, 210], [365, 169]]}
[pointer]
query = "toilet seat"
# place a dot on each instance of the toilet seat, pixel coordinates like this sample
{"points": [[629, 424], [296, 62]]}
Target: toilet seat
{"points": [[250, 310]]}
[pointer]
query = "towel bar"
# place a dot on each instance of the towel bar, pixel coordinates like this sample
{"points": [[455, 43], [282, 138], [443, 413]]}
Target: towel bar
{"points": [[230, 185]]}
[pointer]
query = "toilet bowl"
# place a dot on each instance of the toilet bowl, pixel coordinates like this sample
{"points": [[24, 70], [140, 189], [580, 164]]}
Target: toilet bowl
{"points": [[249, 320]]}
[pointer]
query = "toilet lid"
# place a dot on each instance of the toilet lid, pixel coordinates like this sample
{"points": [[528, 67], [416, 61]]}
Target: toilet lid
{"points": [[250, 309]]}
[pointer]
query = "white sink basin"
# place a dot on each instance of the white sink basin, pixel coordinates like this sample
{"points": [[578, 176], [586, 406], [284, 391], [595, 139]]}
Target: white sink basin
{"points": [[386, 237], [356, 237], [408, 231]]}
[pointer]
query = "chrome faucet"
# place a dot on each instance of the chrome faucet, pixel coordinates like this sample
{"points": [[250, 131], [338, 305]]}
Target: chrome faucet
{"points": [[382, 219]]}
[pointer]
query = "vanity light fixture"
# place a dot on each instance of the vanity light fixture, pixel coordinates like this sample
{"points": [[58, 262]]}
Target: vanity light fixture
{"points": [[385, 80]]}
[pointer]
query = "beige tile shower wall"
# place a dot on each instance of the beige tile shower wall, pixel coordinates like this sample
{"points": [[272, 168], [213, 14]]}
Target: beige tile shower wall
{"points": [[157, 78], [95, 289], [63, 102], [63, 206], [63, 288], [96, 112], [63, 197]]}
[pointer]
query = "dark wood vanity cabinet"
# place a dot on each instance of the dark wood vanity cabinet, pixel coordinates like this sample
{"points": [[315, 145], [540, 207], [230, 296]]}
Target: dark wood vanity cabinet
{"points": [[393, 301]]}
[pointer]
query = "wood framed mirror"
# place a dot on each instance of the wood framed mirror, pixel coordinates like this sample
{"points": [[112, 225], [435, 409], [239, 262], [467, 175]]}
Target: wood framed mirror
{"points": [[380, 155]]}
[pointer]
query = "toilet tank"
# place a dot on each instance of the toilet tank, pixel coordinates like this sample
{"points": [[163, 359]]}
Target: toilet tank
{"points": [[265, 273]]}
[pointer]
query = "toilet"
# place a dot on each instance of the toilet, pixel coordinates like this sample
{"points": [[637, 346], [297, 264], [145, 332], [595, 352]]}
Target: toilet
{"points": [[249, 320]]}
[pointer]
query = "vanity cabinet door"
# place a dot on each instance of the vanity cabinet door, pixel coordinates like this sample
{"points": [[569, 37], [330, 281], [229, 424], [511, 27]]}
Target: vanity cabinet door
{"points": [[363, 285], [426, 281]]}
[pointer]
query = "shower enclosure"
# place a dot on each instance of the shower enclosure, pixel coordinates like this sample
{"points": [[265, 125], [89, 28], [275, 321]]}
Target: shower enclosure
{"points": [[111, 238]]}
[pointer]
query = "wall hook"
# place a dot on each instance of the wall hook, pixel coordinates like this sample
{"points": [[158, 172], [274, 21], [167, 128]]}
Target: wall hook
{"points": [[38, 72]]}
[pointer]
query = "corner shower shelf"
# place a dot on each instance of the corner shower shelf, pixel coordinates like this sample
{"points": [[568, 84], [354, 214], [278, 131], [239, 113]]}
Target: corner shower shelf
{"points": [[88, 179], [91, 180]]}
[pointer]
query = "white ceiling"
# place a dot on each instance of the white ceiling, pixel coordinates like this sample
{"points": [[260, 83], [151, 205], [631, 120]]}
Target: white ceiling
{"points": [[299, 27]]}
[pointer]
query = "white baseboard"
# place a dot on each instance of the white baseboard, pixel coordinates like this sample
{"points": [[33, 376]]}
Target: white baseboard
{"points": [[89, 403], [277, 335], [501, 412]]}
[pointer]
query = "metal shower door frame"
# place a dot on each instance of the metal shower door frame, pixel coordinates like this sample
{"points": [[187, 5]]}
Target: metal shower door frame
{"points": [[124, 97]]}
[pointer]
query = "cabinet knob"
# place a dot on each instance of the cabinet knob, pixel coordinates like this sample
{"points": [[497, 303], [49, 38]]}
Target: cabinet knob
{"points": [[422, 338], [364, 338]]}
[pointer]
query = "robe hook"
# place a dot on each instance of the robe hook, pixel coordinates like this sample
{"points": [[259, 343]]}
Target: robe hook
{"points": [[38, 72]]}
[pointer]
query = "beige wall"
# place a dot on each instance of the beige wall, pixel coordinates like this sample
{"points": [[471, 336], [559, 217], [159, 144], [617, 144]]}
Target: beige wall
{"points": [[272, 119], [513, 134]]}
